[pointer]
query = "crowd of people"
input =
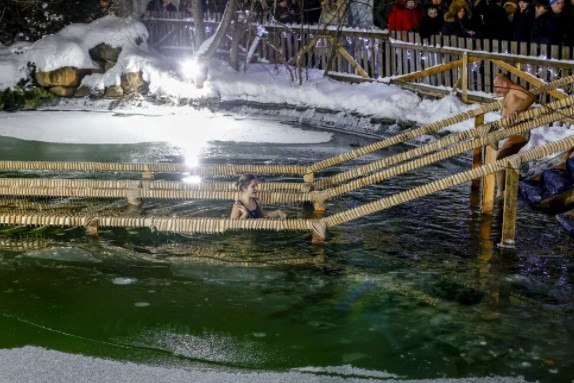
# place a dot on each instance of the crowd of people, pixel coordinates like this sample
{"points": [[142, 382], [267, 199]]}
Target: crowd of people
{"points": [[539, 21]]}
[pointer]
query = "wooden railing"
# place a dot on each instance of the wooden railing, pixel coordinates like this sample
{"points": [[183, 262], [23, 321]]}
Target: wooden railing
{"points": [[374, 54]]}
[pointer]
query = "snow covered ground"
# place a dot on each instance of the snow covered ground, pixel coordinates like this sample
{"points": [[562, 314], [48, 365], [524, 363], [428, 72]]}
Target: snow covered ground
{"points": [[260, 83], [59, 367]]}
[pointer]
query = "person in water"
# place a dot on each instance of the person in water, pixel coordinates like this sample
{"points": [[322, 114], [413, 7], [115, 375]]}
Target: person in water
{"points": [[247, 205]]}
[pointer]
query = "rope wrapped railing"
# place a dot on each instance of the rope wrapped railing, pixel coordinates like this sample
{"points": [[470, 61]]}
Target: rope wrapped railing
{"points": [[447, 182], [442, 155], [359, 171], [91, 188], [220, 225], [201, 170], [165, 225], [86, 192], [430, 128], [144, 184]]}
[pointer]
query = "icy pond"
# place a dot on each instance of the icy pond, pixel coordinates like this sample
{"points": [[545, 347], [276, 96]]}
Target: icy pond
{"points": [[420, 291]]}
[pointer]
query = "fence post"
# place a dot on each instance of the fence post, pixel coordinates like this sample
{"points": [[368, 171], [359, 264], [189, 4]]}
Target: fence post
{"points": [[465, 77]]}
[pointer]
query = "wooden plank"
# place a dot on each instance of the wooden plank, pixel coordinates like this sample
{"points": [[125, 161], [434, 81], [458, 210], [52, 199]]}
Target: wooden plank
{"points": [[447, 81], [373, 59], [386, 49], [488, 182], [528, 77], [487, 69], [544, 69], [398, 60], [431, 59], [510, 207], [416, 57], [434, 70], [464, 75], [477, 157], [469, 46]]}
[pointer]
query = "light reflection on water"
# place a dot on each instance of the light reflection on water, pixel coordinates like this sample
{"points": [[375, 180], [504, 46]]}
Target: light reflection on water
{"points": [[420, 290]]}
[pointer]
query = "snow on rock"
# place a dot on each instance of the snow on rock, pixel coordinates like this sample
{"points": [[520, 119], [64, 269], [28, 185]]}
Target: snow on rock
{"points": [[70, 46]]}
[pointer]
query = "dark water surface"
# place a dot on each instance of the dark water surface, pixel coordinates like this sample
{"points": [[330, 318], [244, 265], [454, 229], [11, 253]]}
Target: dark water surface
{"points": [[419, 291]]}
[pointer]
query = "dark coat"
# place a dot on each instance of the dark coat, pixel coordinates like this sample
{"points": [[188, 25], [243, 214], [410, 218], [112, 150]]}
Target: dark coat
{"points": [[550, 28], [492, 20], [430, 26], [522, 24]]}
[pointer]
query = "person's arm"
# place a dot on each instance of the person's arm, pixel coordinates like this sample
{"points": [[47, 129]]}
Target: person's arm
{"points": [[238, 211], [274, 214]]}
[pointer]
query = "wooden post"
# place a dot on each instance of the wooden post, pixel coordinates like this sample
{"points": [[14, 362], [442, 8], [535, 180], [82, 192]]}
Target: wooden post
{"points": [[92, 228], [133, 197], [464, 77], [308, 178], [510, 204], [488, 182], [319, 232], [476, 157]]}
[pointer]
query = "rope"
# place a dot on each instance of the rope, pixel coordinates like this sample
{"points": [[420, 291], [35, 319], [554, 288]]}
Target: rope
{"points": [[401, 137], [265, 197], [143, 184], [447, 182], [202, 170], [444, 154], [219, 225], [438, 144], [167, 224]]}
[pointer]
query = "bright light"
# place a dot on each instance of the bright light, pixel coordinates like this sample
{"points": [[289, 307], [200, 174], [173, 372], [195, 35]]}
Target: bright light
{"points": [[192, 179], [191, 69]]}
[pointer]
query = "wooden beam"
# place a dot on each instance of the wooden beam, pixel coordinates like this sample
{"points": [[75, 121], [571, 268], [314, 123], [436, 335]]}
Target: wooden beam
{"points": [[510, 205], [433, 70], [527, 77], [488, 182], [437, 92], [477, 157], [348, 57], [464, 75]]}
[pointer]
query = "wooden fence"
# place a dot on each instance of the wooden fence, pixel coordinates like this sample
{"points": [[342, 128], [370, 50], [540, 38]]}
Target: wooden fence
{"points": [[375, 54]]}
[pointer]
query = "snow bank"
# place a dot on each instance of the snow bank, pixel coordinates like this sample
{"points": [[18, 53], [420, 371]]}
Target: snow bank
{"points": [[53, 366]]}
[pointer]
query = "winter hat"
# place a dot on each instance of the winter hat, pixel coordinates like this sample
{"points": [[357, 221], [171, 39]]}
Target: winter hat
{"points": [[552, 2]]}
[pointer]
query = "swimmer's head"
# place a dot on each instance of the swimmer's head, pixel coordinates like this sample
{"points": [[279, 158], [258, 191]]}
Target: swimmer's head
{"points": [[247, 182]]}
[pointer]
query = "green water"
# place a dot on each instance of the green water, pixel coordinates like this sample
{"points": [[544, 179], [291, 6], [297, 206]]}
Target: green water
{"points": [[418, 291]]}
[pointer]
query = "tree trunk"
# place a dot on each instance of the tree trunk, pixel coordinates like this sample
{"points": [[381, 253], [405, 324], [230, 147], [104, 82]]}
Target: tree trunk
{"points": [[198, 23], [210, 46]]}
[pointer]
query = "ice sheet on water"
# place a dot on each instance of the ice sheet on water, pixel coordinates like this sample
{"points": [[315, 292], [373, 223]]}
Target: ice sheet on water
{"points": [[181, 130]]}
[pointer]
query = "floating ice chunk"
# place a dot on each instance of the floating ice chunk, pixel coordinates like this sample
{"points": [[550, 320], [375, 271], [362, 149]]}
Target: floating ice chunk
{"points": [[124, 281], [141, 304]]}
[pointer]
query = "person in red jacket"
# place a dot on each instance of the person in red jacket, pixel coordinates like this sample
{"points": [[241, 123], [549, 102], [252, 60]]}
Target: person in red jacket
{"points": [[405, 16]]}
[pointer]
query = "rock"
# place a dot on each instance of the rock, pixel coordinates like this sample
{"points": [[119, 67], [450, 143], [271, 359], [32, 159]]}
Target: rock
{"points": [[133, 83], [114, 91], [108, 66], [103, 53], [63, 91], [67, 76], [82, 91]]}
